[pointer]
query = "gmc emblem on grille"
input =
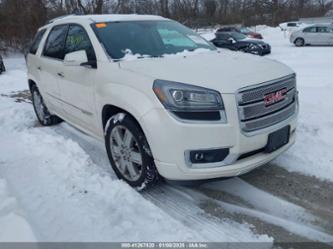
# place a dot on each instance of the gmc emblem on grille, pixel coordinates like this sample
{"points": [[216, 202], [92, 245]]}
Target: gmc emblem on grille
{"points": [[275, 97]]}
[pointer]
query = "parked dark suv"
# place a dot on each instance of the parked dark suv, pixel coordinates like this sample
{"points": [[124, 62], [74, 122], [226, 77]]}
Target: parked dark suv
{"points": [[2, 66], [239, 42], [244, 30]]}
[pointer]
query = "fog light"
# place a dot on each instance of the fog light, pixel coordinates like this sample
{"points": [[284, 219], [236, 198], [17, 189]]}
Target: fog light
{"points": [[208, 156]]}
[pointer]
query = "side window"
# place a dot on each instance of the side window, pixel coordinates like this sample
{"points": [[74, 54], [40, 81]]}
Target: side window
{"points": [[222, 37], [323, 30], [55, 43], [77, 39], [310, 30], [35, 44], [292, 24]]}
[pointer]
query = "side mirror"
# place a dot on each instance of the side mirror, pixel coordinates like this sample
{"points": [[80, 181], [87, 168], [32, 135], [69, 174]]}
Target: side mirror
{"points": [[77, 58], [231, 41]]}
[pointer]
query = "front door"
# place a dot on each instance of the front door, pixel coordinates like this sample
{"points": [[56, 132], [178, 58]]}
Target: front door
{"points": [[78, 82], [311, 36]]}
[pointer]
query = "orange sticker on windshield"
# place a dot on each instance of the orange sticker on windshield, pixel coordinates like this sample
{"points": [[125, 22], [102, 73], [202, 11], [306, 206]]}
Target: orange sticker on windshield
{"points": [[101, 25]]}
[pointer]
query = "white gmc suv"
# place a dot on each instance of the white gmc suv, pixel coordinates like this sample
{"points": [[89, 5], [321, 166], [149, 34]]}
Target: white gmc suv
{"points": [[165, 101]]}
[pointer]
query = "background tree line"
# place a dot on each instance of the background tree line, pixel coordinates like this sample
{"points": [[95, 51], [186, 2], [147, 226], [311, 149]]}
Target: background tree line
{"points": [[19, 19]]}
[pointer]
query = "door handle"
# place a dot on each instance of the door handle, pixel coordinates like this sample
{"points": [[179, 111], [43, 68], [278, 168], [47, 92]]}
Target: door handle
{"points": [[61, 75]]}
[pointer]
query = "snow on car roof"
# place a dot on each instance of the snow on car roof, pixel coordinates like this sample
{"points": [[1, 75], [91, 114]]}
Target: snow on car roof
{"points": [[108, 18]]}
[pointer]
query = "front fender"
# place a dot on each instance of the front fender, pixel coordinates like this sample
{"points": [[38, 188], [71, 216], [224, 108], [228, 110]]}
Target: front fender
{"points": [[132, 100]]}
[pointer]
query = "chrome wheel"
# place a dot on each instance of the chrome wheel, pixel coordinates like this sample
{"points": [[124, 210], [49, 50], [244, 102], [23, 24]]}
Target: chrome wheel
{"points": [[39, 106], [126, 153]]}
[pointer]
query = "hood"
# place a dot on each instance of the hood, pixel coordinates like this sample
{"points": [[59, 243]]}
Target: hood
{"points": [[223, 71]]}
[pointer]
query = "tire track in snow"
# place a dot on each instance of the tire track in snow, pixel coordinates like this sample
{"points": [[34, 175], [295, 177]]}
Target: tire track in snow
{"points": [[266, 207], [311, 193], [185, 207]]}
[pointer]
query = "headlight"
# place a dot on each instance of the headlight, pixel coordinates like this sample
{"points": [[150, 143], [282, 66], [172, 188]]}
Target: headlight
{"points": [[197, 102], [253, 46]]}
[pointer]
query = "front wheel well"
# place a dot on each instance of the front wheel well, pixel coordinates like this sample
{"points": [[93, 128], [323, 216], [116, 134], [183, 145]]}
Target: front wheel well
{"points": [[31, 83], [111, 110], [299, 38]]}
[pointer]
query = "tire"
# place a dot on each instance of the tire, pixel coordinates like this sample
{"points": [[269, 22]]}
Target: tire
{"points": [[299, 42], [43, 115], [129, 152], [2, 67]]}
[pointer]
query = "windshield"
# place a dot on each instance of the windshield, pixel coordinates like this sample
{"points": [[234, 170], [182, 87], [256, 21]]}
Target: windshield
{"points": [[245, 30], [148, 38], [238, 36]]}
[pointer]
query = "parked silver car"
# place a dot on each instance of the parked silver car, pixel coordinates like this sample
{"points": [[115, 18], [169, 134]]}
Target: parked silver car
{"points": [[319, 34]]}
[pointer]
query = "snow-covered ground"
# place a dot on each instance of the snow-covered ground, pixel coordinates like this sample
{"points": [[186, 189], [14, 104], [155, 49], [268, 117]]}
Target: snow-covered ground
{"points": [[56, 183]]}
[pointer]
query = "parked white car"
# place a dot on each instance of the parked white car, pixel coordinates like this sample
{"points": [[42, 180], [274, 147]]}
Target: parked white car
{"points": [[320, 34], [165, 101], [291, 26]]}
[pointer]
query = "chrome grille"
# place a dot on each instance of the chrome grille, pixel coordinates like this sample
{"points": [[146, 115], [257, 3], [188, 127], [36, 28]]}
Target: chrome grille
{"points": [[255, 115], [258, 93]]}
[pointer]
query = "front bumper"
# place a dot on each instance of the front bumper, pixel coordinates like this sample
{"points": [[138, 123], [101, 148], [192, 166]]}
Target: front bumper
{"points": [[170, 139], [260, 51]]}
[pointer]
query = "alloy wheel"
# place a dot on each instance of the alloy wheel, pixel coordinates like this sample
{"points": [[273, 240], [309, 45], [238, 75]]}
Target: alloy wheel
{"points": [[126, 153]]}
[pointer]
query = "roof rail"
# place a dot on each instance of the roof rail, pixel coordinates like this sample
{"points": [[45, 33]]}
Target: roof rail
{"points": [[59, 18]]}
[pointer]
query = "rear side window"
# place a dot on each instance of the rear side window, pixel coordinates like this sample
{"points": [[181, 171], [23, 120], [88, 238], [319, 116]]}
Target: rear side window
{"points": [[323, 30], [310, 30], [77, 39], [55, 43], [35, 44], [292, 24], [222, 37]]}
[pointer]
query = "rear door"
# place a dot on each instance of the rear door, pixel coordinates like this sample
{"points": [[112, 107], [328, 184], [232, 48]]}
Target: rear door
{"points": [[330, 41], [324, 35], [50, 66], [78, 82], [33, 59]]}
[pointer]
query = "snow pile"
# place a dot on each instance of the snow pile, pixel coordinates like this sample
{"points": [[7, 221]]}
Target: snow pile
{"points": [[13, 226]]}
